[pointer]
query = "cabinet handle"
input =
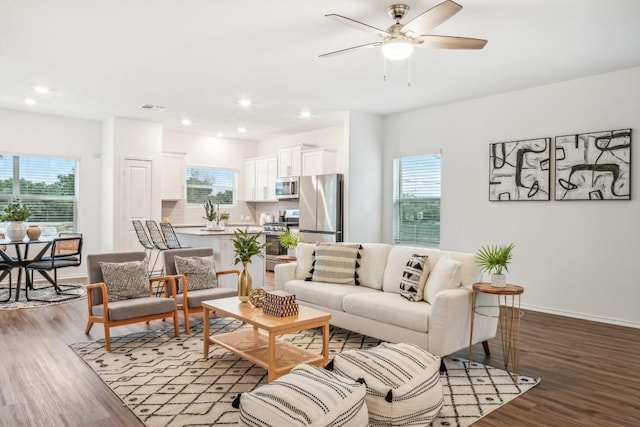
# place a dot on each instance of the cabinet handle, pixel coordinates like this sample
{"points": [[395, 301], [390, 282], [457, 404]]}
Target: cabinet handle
{"points": [[264, 192], [288, 170]]}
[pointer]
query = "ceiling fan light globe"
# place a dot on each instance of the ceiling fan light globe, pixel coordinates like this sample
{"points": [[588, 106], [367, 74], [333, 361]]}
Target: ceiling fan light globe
{"points": [[397, 49]]}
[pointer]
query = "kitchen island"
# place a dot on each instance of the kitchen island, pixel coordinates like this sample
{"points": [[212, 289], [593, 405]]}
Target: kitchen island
{"points": [[222, 243]]}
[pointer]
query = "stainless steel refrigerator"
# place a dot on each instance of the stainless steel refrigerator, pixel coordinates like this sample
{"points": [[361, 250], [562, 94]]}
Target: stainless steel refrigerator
{"points": [[321, 208]]}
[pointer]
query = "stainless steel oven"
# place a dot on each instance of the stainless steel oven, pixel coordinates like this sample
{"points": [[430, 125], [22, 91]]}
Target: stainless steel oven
{"points": [[274, 249]]}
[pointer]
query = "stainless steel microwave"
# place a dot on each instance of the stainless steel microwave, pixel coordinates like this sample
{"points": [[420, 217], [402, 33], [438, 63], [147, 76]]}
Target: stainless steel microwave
{"points": [[287, 188]]}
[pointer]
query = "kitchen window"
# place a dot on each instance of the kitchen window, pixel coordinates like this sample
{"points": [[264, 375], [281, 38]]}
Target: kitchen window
{"points": [[219, 185], [416, 200], [48, 186]]}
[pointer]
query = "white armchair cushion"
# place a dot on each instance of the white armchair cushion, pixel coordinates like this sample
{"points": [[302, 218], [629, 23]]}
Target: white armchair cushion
{"points": [[446, 274]]}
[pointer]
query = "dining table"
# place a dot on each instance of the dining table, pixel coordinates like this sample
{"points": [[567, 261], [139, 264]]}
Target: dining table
{"points": [[22, 258]]}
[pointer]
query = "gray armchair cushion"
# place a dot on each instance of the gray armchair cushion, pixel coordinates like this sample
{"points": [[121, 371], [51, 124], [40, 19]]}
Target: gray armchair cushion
{"points": [[138, 307], [125, 280], [196, 297], [200, 272]]}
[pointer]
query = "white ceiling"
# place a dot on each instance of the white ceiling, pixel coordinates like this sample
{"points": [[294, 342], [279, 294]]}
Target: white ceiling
{"points": [[104, 58]]}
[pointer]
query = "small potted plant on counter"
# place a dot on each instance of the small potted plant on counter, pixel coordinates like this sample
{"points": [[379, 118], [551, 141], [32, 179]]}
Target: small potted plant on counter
{"points": [[493, 259], [289, 241], [210, 214]]}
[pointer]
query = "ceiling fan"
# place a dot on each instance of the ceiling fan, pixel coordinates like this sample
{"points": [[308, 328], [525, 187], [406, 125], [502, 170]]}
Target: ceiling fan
{"points": [[399, 39]]}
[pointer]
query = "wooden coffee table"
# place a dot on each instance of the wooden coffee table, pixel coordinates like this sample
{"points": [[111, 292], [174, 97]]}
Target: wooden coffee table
{"points": [[259, 345]]}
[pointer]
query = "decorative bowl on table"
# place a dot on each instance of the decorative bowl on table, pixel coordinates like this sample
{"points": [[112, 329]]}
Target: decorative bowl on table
{"points": [[256, 297]]}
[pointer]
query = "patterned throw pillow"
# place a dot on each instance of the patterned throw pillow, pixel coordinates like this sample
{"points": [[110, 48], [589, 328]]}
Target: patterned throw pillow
{"points": [[125, 280], [336, 263], [199, 271], [414, 277]]}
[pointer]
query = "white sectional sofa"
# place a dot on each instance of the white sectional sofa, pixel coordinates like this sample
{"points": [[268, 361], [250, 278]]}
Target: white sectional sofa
{"points": [[375, 307]]}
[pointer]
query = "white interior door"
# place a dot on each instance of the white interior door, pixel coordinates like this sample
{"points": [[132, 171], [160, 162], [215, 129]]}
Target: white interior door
{"points": [[136, 200]]}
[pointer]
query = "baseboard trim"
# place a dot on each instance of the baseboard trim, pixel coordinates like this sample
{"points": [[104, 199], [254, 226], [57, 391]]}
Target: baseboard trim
{"points": [[583, 316]]}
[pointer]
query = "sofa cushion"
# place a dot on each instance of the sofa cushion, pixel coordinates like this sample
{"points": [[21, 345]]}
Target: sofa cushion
{"points": [[327, 295], [389, 308], [199, 271], [304, 260], [445, 274], [125, 280], [373, 260], [414, 277], [335, 263], [470, 272], [396, 262]]}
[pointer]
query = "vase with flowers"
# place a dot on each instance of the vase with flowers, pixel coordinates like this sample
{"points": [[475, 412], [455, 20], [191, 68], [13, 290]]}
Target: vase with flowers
{"points": [[15, 213]]}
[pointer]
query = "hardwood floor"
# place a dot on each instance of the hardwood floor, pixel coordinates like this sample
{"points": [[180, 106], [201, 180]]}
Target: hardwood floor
{"points": [[590, 372]]}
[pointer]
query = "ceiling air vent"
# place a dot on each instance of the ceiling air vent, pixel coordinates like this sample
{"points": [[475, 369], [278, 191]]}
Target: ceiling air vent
{"points": [[152, 107]]}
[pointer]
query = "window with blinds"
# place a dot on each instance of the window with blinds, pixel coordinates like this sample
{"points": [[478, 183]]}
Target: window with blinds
{"points": [[46, 185], [219, 185], [416, 200]]}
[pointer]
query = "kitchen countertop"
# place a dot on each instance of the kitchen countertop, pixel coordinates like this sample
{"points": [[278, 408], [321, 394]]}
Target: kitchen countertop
{"points": [[201, 231], [232, 224]]}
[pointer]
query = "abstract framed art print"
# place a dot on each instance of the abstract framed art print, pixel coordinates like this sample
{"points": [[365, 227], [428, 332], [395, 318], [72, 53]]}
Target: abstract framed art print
{"points": [[593, 166], [519, 170]]}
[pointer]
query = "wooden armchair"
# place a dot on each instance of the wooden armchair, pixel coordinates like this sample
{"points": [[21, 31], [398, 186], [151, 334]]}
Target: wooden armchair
{"points": [[134, 310], [190, 301]]}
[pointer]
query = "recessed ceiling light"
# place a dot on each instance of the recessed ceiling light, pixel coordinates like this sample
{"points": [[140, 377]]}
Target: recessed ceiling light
{"points": [[186, 122], [305, 114], [30, 101], [242, 130], [41, 89], [219, 134], [245, 102]]}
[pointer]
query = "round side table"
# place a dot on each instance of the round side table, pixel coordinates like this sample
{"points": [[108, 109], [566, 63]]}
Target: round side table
{"points": [[509, 315]]}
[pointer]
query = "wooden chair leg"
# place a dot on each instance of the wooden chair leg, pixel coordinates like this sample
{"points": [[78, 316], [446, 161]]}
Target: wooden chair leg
{"points": [[187, 326], [107, 338], [176, 324], [485, 346], [89, 326]]}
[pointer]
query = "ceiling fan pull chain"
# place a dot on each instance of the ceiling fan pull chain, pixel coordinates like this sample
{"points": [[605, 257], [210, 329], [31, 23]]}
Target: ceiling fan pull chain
{"points": [[409, 72], [384, 69]]}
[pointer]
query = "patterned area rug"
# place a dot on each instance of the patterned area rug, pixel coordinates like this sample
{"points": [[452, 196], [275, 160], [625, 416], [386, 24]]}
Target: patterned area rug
{"points": [[165, 380], [45, 296]]}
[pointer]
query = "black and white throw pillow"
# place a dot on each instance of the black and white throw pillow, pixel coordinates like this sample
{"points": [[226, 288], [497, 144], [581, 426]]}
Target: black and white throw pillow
{"points": [[199, 271], [414, 277]]}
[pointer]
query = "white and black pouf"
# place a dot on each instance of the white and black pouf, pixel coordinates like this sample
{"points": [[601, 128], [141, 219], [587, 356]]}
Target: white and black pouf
{"points": [[403, 382], [307, 396]]}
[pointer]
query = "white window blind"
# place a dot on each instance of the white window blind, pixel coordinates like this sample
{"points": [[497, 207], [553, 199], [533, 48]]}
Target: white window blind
{"points": [[46, 185], [416, 200], [219, 185]]}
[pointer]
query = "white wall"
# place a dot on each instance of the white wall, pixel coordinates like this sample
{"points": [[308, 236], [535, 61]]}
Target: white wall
{"points": [[578, 258], [44, 135], [208, 151], [363, 184]]}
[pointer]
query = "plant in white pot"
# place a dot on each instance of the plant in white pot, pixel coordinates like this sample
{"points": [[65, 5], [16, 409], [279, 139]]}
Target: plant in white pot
{"points": [[289, 241], [15, 213], [494, 259]]}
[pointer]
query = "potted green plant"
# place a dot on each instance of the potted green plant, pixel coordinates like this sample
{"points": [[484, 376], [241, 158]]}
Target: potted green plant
{"points": [[15, 213], [223, 217], [246, 245], [210, 214], [494, 259], [289, 241]]}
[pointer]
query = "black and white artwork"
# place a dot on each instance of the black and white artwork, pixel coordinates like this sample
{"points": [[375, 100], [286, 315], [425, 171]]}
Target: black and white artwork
{"points": [[594, 166], [519, 170]]}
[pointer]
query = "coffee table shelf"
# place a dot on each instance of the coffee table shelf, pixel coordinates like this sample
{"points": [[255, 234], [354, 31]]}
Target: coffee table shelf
{"points": [[254, 347], [259, 344]]}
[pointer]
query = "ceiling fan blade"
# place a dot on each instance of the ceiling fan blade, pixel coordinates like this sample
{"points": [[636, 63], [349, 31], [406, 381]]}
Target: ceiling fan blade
{"points": [[448, 42], [433, 17], [350, 49], [358, 25]]}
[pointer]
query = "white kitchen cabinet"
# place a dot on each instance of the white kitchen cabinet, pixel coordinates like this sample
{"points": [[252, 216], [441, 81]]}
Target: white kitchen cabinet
{"points": [[260, 179], [318, 162], [173, 176], [290, 161], [250, 180]]}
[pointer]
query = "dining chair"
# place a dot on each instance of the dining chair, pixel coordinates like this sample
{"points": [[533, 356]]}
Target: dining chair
{"points": [[104, 294], [148, 246], [5, 270], [170, 237], [65, 251], [190, 300]]}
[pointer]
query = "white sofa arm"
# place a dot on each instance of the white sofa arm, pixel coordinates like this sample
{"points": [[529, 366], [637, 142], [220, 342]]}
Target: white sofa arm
{"points": [[450, 321], [283, 273]]}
